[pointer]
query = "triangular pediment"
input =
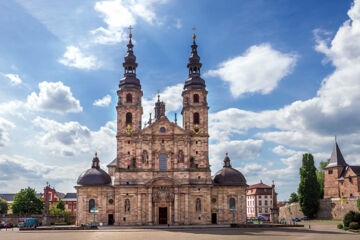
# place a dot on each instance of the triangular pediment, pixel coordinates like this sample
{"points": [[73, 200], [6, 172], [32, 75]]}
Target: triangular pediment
{"points": [[163, 126]]}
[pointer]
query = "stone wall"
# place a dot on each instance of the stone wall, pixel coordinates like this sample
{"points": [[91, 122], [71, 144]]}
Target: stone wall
{"points": [[328, 209], [14, 219]]}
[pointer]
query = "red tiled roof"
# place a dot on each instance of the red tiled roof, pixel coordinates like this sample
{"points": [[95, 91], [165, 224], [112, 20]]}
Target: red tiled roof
{"points": [[258, 185]]}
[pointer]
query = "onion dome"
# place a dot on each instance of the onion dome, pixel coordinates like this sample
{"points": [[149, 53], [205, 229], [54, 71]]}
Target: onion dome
{"points": [[229, 176], [130, 80], [194, 81], [94, 176]]}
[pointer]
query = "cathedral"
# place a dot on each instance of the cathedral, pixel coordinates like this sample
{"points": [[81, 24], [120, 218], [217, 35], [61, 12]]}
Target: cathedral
{"points": [[161, 173]]}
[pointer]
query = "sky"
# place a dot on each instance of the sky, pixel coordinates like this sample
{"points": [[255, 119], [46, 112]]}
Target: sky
{"points": [[283, 79]]}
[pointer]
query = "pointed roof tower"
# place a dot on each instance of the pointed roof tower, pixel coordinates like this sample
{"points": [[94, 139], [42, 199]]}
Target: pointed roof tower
{"points": [[337, 159], [194, 81], [159, 108], [130, 80]]}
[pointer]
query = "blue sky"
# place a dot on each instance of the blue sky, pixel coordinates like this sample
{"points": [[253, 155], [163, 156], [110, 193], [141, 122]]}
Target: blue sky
{"points": [[282, 77]]}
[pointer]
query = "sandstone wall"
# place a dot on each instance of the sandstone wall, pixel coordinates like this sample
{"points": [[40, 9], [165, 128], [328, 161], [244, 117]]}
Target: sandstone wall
{"points": [[328, 209], [14, 219]]}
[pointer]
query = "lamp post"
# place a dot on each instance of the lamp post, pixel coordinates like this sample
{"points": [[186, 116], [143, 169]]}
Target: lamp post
{"points": [[94, 210], [233, 210]]}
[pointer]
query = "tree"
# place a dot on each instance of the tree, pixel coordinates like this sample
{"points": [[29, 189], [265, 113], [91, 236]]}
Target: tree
{"points": [[60, 205], [358, 203], [321, 176], [26, 202], [3, 206], [293, 198], [309, 188]]}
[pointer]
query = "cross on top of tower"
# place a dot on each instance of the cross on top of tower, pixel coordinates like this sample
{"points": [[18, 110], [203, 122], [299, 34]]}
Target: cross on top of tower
{"points": [[130, 28], [194, 35]]}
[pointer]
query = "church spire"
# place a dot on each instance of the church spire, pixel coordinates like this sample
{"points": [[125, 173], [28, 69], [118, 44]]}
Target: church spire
{"points": [[130, 80], [194, 80], [159, 108]]}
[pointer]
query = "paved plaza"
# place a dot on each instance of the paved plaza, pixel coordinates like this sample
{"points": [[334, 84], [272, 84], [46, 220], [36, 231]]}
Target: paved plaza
{"points": [[319, 230]]}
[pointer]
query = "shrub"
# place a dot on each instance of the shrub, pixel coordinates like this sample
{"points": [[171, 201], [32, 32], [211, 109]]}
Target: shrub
{"points": [[357, 217], [358, 203], [60, 223], [340, 226], [346, 228], [349, 217], [354, 225]]}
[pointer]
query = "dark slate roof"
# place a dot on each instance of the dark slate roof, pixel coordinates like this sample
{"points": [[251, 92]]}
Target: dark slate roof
{"points": [[356, 170], [112, 163], [9, 197], [94, 176], [70, 195], [337, 158], [229, 176]]}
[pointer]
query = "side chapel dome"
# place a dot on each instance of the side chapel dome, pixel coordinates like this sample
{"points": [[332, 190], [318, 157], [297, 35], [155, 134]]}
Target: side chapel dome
{"points": [[94, 176], [229, 176]]}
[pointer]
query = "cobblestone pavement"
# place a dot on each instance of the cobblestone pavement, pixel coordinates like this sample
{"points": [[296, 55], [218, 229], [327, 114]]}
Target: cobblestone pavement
{"points": [[319, 230]]}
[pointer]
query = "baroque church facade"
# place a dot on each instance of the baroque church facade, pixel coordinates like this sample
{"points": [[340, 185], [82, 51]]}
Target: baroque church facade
{"points": [[161, 174]]}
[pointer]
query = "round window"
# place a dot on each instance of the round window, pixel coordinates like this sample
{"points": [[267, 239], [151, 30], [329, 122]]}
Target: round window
{"points": [[213, 200], [162, 129], [111, 201]]}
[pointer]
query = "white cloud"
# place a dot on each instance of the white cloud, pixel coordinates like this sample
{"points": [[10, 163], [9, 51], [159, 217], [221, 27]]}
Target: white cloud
{"points": [[53, 97], [5, 126], [244, 75], [172, 98], [71, 138], [240, 151], [178, 24], [73, 57], [14, 79], [119, 15], [103, 102]]}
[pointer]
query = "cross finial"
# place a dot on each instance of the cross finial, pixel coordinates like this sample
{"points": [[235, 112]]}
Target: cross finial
{"points": [[194, 35], [130, 28], [158, 95], [95, 154]]}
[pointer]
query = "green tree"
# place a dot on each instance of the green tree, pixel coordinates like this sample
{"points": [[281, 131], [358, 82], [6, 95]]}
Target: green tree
{"points": [[321, 176], [309, 188], [3, 206], [60, 205], [293, 198], [358, 203], [26, 202]]}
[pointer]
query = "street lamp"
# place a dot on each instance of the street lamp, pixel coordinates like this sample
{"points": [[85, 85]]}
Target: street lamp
{"points": [[233, 210], [94, 210]]}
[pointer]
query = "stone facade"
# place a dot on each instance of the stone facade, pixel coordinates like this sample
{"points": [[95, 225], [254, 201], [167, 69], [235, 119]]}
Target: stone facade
{"points": [[161, 174], [341, 179]]}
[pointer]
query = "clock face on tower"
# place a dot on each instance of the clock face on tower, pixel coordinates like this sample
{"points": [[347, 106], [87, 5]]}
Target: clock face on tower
{"points": [[128, 129], [196, 129]]}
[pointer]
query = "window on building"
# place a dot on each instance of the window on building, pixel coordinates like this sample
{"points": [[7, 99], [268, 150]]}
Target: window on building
{"points": [[196, 118], [129, 98], [128, 118], [91, 204], [69, 206], [162, 162], [232, 203], [196, 98], [260, 196], [350, 179], [330, 171], [266, 202], [266, 210], [260, 203]]}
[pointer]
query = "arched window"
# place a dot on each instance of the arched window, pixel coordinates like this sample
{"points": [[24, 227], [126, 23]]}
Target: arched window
{"points": [[129, 98], [192, 162], [232, 203], [128, 118], [91, 204], [181, 156], [198, 205], [127, 205], [133, 162], [196, 98], [196, 118]]}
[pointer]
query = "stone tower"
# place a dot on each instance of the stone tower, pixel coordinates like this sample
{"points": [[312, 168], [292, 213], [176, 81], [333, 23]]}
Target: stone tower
{"points": [[129, 109], [195, 109]]}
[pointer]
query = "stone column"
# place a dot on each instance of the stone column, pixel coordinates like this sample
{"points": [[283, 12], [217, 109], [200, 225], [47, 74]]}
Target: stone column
{"points": [[150, 220], [274, 211], [187, 207], [176, 208], [139, 208]]}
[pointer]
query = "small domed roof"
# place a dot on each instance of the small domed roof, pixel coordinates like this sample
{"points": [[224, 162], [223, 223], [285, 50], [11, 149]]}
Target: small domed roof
{"points": [[229, 176], [94, 176]]}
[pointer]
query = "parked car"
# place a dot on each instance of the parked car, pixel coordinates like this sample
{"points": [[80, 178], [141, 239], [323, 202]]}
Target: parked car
{"points": [[8, 225], [267, 219], [28, 222], [304, 218], [296, 219], [2, 224], [261, 218]]}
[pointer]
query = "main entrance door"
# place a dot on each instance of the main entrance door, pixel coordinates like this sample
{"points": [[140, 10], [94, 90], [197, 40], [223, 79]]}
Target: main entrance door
{"points": [[111, 219], [213, 218], [162, 215]]}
